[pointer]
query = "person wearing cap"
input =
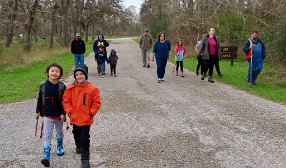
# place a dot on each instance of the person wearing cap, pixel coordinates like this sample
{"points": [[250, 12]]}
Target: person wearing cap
{"points": [[145, 43], [81, 102], [78, 49]]}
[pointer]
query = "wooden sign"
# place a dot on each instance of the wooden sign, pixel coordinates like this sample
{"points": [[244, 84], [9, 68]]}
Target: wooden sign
{"points": [[229, 52]]}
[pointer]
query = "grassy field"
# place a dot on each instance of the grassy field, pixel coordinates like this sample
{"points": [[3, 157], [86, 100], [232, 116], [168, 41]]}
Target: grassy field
{"points": [[270, 84], [20, 80]]}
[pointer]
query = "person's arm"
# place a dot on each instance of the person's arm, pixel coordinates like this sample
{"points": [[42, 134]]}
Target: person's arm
{"points": [[95, 47], [106, 44], [84, 49], [140, 41], [95, 103], [196, 48], [39, 105], [151, 40], [96, 55], [263, 50], [246, 47], [67, 102], [185, 51], [72, 47]]}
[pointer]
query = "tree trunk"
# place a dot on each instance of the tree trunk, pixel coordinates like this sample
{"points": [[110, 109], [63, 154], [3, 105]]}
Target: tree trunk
{"points": [[65, 23], [32, 15], [86, 34], [53, 25], [11, 25]]}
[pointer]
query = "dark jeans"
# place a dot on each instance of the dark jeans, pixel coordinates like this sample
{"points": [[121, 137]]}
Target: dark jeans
{"points": [[209, 65], [81, 137], [200, 65], [217, 67], [113, 69], [161, 66], [179, 63]]}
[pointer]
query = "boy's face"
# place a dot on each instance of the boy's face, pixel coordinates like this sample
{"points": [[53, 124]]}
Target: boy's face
{"points": [[54, 73], [79, 76]]}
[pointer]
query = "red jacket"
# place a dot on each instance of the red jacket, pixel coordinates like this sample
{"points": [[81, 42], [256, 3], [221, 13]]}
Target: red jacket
{"points": [[81, 103]]}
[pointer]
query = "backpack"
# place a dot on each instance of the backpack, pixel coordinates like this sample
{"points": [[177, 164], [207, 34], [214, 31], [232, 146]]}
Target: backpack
{"points": [[42, 87]]}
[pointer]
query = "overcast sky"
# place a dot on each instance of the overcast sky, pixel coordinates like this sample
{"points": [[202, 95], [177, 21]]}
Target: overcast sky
{"points": [[136, 3]]}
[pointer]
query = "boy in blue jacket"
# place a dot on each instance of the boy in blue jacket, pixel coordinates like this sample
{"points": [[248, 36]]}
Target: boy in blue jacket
{"points": [[100, 57]]}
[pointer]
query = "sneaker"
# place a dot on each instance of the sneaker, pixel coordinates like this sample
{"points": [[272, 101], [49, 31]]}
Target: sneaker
{"points": [[203, 77], [115, 75], [182, 74], [160, 80], [102, 76], [196, 73], [148, 66], [220, 75], [210, 80], [144, 65], [111, 74]]}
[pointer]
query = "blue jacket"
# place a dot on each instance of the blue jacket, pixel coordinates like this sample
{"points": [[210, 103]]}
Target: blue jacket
{"points": [[100, 57], [98, 43], [247, 45], [162, 50]]}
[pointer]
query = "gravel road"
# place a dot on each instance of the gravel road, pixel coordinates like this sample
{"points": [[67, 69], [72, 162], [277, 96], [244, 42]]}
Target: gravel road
{"points": [[181, 123]]}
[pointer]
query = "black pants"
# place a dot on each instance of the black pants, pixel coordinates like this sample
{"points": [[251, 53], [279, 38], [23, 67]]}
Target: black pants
{"points": [[200, 65], [217, 67], [113, 69], [209, 66], [81, 137], [179, 63]]}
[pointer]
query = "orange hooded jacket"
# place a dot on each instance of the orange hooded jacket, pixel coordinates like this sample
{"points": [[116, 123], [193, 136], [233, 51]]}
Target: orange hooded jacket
{"points": [[81, 103]]}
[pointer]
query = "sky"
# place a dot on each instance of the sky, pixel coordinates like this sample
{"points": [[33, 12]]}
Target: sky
{"points": [[136, 3]]}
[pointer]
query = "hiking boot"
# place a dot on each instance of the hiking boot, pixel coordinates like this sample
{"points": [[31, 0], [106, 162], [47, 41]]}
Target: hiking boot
{"points": [[60, 149], [148, 66], [85, 164], [220, 75], [47, 154], [210, 80], [203, 77], [177, 73]]}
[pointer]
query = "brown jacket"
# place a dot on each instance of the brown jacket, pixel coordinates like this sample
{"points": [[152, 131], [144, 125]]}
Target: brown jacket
{"points": [[205, 48], [145, 42]]}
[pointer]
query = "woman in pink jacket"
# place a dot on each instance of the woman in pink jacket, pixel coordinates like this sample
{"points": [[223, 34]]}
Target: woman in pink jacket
{"points": [[180, 54]]}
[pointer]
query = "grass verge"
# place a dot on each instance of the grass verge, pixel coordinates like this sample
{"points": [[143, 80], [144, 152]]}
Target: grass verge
{"points": [[21, 82]]}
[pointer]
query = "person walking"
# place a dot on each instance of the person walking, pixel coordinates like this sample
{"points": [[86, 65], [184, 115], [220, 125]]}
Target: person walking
{"points": [[211, 53], [200, 63], [78, 49], [100, 42], [113, 62], [161, 51], [81, 102], [101, 57], [254, 49], [180, 53], [49, 106], [145, 43]]}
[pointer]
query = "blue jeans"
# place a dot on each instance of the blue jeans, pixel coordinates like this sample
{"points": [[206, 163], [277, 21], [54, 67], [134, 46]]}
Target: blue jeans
{"points": [[256, 69], [101, 67], [78, 59], [161, 66]]}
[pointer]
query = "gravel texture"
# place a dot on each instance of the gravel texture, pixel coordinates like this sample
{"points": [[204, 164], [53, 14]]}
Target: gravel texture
{"points": [[181, 123]]}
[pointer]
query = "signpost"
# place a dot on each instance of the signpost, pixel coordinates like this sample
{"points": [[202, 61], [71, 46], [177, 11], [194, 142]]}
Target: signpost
{"points": [[229, 52]]}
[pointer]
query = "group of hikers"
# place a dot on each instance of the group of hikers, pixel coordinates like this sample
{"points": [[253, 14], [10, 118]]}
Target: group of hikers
{"points": [[208, 55], [81, 100]]}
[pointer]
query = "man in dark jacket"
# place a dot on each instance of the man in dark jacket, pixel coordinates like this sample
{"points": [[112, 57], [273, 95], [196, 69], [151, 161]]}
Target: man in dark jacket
{"points": [[100, 42], [78, 49], [256, 49]]}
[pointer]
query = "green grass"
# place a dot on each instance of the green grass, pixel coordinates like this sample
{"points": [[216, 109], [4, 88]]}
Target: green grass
{"points": [[268, 85], [21, 82]]}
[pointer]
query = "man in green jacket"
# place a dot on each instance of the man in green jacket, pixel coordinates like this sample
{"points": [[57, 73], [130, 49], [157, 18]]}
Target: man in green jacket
{"points": [[145, 43]]}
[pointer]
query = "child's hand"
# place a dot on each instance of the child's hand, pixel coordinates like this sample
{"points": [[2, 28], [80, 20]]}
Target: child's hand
{"points": [[63, 118], [37, 116]]}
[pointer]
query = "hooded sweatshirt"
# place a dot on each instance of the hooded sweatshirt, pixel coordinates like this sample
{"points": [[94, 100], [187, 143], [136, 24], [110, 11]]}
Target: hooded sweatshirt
{"points": [[113, 57], [180, 52], [98, 43]]}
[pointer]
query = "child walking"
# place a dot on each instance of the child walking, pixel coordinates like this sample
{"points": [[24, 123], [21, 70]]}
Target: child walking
{"points": [[113, 62], [81, 102], [49, 106], [100, 57], [180, 54]]}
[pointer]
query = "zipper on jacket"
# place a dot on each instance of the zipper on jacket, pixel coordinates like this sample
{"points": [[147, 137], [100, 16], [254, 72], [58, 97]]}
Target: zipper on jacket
{"points": [[84, 98]]}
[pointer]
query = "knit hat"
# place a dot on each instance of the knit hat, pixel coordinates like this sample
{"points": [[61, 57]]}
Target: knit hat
{"points": [[83, 68], [113, 51], [77, 34]]}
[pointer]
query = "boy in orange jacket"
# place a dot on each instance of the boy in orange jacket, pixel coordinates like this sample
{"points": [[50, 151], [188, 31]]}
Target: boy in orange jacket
{"points": [[81, 101]]}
